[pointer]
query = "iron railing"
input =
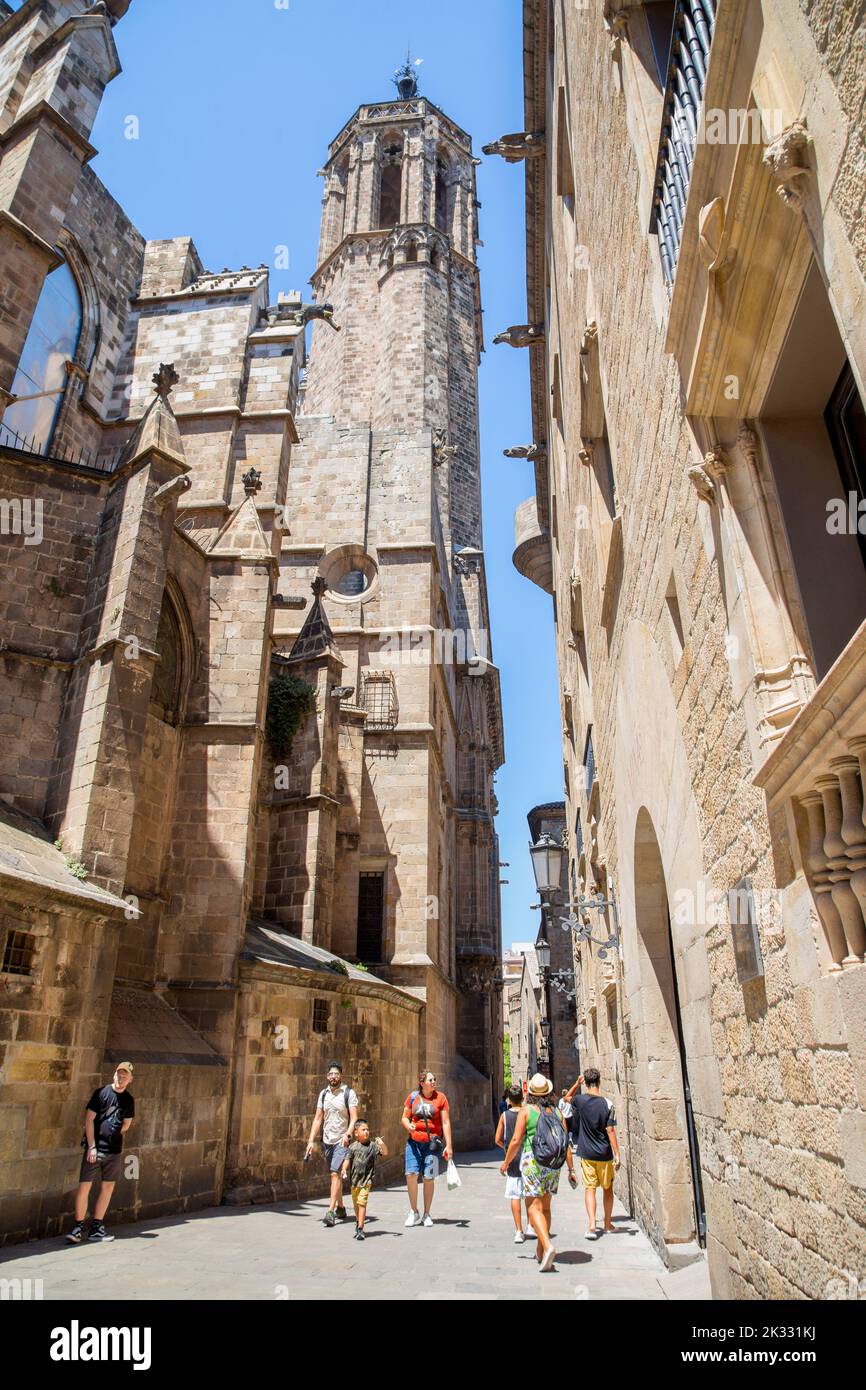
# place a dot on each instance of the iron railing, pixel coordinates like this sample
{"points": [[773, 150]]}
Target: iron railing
{"points": [[29, 444], [688, 58]]}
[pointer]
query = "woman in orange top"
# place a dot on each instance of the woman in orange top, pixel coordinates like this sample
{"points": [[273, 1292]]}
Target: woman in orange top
{"points": [[427, 1122]]}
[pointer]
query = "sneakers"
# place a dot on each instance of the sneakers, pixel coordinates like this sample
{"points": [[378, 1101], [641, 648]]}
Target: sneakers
{"points": [[330, 1219], [428, 1219], [76, 1235], [547, 1260], [519, 1238], [413, 1219], [98, 1234], [592, 1235], [359, 1234], [341, 1212]]}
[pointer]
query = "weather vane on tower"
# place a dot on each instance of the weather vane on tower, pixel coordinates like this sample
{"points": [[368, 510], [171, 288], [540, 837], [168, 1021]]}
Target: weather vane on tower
{"points": [[406, 78]]}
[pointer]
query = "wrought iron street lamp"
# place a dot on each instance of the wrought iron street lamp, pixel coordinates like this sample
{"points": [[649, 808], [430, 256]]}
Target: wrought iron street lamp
{"points": [[542, 951], [578, 922], [547, 856]]}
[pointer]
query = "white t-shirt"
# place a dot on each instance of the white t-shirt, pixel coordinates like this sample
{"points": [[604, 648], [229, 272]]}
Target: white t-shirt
{"points": [[565, 1106], [336, 1121]]}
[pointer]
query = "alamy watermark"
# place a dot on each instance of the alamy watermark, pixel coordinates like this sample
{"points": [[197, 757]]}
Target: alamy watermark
{"points": [[22, 517], [425, 646]]}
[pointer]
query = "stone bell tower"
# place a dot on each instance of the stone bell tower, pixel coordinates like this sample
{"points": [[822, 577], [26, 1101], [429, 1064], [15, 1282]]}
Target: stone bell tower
{"points": [[384, 515], [397, 262]]}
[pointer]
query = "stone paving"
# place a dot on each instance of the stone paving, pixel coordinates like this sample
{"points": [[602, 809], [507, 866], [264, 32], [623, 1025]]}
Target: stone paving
{"points": [[284, 1252]]}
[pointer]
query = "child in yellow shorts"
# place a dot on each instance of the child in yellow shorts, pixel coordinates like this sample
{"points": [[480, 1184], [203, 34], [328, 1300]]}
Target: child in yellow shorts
{"points": [[359, 1167]]}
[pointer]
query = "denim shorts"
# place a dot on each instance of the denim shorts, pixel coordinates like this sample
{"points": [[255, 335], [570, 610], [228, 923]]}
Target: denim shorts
{"points": [[335, 1156], [420, 1161]]}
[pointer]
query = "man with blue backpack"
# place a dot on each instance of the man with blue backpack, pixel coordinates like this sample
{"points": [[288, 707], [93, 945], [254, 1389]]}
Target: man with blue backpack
{"points": [[336, 1113]]}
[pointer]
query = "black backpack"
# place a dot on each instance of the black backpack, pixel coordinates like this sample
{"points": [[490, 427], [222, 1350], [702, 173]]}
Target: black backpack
{"points": [[550, 1141], [321, 1101]]}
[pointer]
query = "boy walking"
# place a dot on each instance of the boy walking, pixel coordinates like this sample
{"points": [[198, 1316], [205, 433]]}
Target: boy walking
{"points": [[359, 1167], [107, 1118], [593, 1124]]}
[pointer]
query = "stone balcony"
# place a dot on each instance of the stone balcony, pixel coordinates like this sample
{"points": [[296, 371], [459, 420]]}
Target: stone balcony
{"points": [[816, 774], [532, 553]]}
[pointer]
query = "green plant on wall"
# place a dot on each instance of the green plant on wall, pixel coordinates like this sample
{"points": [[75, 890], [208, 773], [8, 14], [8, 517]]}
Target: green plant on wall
{"points": [[289, 699], [506, 1058]]}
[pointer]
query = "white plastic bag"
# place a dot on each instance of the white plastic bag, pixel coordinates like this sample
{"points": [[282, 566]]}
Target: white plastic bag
{"points": [[452, 1176]]}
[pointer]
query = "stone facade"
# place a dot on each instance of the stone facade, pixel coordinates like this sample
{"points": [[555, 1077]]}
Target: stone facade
{"points": [[169, 497], [695, 332]]}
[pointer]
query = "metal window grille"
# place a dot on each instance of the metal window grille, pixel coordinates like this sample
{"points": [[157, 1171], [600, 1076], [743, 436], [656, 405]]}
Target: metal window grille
{"points": [[578, 835], [18, 953], [380, 699], [371, 916], [691, 37], [321, 1016]]}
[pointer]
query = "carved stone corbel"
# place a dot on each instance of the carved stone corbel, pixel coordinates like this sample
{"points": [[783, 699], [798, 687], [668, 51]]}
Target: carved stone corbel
{"points": [[702, 483], [787, 159], [616, 24], [586, 454], [716, 463], [706, 475], [718, 260]]}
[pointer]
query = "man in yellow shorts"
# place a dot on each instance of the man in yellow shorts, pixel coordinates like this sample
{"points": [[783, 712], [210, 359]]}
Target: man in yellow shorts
{"points": [[593, 1128]]}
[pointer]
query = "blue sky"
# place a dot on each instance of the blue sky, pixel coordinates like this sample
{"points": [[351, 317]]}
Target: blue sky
{"points": [[236, 102]]}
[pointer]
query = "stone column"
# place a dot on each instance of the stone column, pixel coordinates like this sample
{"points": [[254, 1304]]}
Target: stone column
{"points": [[103, 729]]}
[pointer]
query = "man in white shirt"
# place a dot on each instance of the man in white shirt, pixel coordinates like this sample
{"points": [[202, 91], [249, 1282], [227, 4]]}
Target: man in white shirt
{"points": [[336, 1113], [564, 1105]]}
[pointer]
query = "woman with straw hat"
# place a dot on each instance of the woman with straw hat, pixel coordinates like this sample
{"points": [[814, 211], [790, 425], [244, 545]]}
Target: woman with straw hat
{"points": [[539, 1181]]}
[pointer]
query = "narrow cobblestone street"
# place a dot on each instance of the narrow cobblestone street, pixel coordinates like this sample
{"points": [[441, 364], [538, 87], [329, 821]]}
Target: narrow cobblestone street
{"points": [[283, 1251]]}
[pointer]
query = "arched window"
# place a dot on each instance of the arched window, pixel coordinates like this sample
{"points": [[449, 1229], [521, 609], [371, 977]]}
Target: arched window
{"points": [[442, 209], [168, 678], [41, 376], [390, 186]]}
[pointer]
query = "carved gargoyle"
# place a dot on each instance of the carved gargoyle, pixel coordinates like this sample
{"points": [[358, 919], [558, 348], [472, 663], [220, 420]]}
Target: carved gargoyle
{"points": [[318, 311], [786, 157], [442, 450], [526, 451], [524, 144], [522, 335]]}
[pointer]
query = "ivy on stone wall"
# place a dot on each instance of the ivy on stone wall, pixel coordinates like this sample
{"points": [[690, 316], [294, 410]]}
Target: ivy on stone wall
{"points": [[289, 699]]}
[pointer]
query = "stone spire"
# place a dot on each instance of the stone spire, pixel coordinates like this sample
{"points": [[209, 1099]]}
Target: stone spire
{"points": [[315, 638], [158, 428]]}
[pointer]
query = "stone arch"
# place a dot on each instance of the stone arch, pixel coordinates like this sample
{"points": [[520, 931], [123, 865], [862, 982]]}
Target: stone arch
{"points": [[390, 191], [658, 1038], [660, 868], [443, 191], [91, 328], [173, 672]]}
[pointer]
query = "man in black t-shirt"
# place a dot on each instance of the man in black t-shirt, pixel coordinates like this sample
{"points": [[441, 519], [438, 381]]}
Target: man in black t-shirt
{"points": [[593, 1130], [108, 1116]]}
